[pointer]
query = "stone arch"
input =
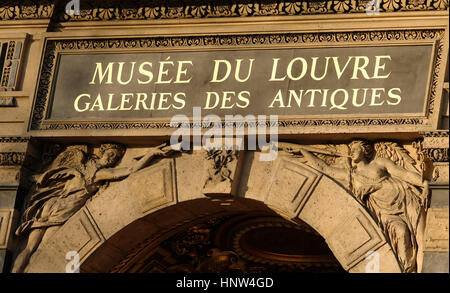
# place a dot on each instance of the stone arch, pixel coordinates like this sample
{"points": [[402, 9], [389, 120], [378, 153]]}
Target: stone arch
{"points": [[285, 185]]}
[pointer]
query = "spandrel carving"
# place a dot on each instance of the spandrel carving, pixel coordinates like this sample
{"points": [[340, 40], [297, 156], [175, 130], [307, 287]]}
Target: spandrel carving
{"points": [[219, 172], [63, 188], [384, 178]]}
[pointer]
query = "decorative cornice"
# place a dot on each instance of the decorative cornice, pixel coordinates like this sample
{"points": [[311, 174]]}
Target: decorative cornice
{"points": [[105, 10], [26, 9], [13, 139], [54, 47], [138, 9]]}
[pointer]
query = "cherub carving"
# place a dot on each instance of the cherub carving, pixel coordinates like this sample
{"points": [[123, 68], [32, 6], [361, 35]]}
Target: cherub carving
{"points": [[383, 178], [74, 176]]}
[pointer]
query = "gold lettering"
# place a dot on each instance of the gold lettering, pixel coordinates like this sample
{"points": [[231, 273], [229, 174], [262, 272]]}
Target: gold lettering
{"points": [[375, 96], [304, 68], [141, 98], [238, 69], [274, 71], [378, 66], [144, 72], [125, 100], [391, 95], [314, 65], [102, 74], [208, 99], [216, 70], [278, 98], [77, 101], [119, 73], [182, 71], [333, 102], [179, 100], [360, 68], [110, 97], [246, 100]]}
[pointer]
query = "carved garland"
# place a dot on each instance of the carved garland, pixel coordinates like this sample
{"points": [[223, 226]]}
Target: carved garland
{"points": [[53, 47]]}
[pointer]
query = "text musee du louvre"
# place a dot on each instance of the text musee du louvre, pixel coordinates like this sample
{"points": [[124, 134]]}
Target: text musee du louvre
{"points": [[262, 83]]}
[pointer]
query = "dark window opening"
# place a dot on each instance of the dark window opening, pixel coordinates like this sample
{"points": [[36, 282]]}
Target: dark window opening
{"points": [[4, 46]]}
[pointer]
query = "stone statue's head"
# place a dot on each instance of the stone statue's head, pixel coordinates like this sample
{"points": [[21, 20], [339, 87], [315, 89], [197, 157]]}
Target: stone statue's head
{"points": [[110, 154], [360, 150]]}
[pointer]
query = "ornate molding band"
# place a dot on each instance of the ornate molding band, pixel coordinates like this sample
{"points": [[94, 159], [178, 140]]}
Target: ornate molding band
{"points": [[26, 9], [437, 154], [13, 139], [105, 10], [54, 47], [12, 158], [435, 145], [136, 10]]}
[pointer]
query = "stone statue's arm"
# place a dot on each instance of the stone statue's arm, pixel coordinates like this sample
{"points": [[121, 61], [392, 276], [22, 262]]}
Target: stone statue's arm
{"points": [[111, 174], [337, 173], [144, 161]]}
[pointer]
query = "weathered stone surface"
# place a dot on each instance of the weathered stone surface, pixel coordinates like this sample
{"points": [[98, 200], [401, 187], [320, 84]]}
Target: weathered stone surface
{"points": [[435, 262], [437, 230]]}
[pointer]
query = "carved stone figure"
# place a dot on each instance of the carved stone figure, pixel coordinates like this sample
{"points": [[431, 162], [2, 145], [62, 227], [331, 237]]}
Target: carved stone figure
{"points": [[73, 177], [219, 173], [383, 178]]}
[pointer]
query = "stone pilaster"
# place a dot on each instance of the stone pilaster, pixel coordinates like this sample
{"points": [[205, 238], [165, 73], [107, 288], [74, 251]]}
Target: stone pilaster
{"points": [[436, 247], [13, 153]]}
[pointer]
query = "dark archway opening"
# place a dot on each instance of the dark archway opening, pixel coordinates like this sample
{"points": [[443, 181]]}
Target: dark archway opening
{"points": [[250, 242]]}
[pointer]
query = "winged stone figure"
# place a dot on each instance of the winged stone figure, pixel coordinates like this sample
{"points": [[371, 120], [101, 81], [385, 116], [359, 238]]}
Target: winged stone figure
{"points": [[383, 178], [73, 177]]}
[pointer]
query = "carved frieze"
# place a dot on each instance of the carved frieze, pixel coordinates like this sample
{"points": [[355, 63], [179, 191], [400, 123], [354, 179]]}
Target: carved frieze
{"points": [[12, 158], [26, 9], [435, 145], [13, 139], [106, 10]]}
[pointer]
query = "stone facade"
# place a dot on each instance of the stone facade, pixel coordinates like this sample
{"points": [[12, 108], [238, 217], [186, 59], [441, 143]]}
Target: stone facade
{"points": [[150, 198]]}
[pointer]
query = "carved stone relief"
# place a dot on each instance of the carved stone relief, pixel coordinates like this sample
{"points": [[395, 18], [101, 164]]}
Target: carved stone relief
{"points": [[222, 165], [63, 187], [386, 180]]}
